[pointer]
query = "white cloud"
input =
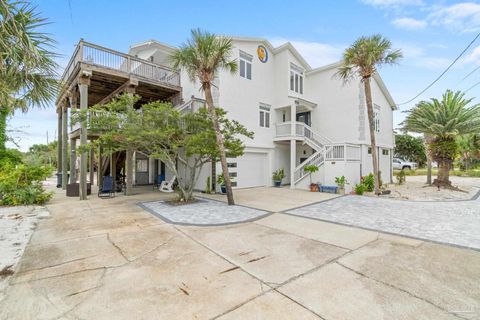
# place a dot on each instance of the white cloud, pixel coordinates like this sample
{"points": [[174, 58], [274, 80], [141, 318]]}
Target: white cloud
{"points": [[463, 17], [315, 53], [409, 23], [473, 56], [393, 3]]}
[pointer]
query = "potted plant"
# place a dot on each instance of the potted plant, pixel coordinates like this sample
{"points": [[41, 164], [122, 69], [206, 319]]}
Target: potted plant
{"points": [[221, 183], [311, 168], [278, 177], [341, 182], [360, 189]]}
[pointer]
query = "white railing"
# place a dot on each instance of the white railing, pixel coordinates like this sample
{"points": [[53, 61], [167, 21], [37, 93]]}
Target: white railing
{"points": [[283, 129], [100, 56], [315, 159], [342, 152], [193, 105], [330, 152]]}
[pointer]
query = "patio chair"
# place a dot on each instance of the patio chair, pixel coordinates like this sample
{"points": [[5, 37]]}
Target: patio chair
{"points": [[158, 181], [167, 186], [107, 190]]}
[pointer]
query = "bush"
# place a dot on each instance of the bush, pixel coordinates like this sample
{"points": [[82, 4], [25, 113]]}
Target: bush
{"points": [[369, 182], [22, 184], [401, 177], [360, 189]]}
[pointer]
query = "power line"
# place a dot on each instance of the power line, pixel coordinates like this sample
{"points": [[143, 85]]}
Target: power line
{"points": [[445, 71], [468, 75], [476, 84]]}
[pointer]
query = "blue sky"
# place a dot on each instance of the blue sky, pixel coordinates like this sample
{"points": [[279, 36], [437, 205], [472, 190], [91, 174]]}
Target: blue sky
{"points": [[430, 33]]}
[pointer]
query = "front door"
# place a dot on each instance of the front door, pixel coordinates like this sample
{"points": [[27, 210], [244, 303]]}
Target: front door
{"points": [[304, 117]]}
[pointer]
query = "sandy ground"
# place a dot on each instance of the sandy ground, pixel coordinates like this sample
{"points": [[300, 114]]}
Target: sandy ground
{"points": [[16, 227], [416, 189]]}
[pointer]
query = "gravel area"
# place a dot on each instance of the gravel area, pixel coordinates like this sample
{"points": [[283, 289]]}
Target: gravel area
{"points": [[204, 212], [16, 227], [451, 222], [416, 189]]}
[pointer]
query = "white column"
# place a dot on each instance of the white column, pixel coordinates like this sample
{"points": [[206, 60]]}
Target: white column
{"points": [[293, 119], [83, 88], [293, 159]]}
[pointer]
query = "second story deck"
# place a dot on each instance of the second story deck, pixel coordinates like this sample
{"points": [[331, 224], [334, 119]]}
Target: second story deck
{"points": [[110, 71]]}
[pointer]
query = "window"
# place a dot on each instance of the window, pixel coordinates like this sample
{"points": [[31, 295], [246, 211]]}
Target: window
{"points": [[264, 115], [385, 152], [369, 150], [142, 165], [232, 174], [376, 117], [232, 164], [296, 78], [245, 65]]}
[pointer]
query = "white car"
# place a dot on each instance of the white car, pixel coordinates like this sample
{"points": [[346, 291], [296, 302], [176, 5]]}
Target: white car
{"points": [[402, 164]]}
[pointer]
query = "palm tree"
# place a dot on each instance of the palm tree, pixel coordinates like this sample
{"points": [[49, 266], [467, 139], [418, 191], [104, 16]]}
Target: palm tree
{"points": [[27, 66], [361, 60], [202, 57], [444, 120]]}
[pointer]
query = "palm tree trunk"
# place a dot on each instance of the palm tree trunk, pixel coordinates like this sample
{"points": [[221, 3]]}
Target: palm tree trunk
{"points": [[3, 128], [368, 95], [443, 175], [221, 146], [427, 140]]}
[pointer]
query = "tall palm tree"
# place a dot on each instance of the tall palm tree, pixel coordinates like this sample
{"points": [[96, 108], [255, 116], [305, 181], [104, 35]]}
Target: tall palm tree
{"points": [[27, 66], [361, 61], [202, 57], [443, 120]]}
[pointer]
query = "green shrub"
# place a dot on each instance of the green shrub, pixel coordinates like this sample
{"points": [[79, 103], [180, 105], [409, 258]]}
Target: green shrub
{"points": [[360, 189], [369, 182], [401, 177], [22, 184]]}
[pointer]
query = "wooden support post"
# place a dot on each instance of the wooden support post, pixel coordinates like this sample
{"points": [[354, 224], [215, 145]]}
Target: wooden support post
{"points": [[59, 144], [91, 164], [100, 167], [83, 83], [73, 160], [64, 147], [129, 156], [129, 172]]}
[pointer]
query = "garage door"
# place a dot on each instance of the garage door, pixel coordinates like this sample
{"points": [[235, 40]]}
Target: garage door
{"points": [[251, 170]]}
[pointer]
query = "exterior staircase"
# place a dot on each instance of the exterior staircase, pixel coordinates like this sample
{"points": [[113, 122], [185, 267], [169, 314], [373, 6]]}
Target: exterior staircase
{"points": [[318, 142]]}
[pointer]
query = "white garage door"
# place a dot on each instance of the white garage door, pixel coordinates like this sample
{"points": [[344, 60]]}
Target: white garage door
{"points": [[251, 170]]}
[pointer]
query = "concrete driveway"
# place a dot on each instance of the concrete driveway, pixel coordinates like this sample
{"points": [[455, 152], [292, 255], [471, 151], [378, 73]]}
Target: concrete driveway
{"points": [[110, 259]]}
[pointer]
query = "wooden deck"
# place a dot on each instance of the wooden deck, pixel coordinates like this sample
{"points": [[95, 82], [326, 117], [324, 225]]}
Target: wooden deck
{"points": [[110, 71]]}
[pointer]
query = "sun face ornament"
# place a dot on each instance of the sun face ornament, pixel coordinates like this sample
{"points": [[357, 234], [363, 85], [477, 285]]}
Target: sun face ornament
{"points": [[262, 53]]}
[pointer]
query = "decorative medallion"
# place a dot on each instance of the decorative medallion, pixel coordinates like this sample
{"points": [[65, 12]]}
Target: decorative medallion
{"points": [[262, 53]]}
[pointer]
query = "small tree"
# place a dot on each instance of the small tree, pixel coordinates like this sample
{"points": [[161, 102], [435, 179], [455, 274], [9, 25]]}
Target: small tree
{"points": [[410, 148], [311, 168], [444, 120], [185, 142]]}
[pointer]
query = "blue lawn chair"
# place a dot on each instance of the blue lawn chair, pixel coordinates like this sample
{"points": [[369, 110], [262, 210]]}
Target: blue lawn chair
{"points": [[107, 190], [158, 181]]}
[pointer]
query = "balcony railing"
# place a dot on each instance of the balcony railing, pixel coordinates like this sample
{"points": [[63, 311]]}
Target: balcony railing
{"points": [[103, 57], [342, 152], [302, 130], [193, 105]]}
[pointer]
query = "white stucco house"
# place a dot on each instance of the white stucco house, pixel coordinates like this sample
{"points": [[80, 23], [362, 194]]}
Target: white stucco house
{"points": [[299, 116]]}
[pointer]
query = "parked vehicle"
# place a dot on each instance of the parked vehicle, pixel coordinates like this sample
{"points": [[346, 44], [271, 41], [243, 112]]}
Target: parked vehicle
{"points": [[401, 164]]}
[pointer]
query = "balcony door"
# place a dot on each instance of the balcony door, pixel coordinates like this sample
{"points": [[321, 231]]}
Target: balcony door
{"points": [[304, 117]]}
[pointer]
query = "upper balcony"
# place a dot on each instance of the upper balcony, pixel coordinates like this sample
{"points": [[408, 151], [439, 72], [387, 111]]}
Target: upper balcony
{"points": [[111, 69]]}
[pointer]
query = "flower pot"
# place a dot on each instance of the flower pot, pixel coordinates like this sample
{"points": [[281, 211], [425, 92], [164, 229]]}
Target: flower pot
{"points": [[314, 187], [224, 189], [277, 183], [341, 190], [384, 192]]}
